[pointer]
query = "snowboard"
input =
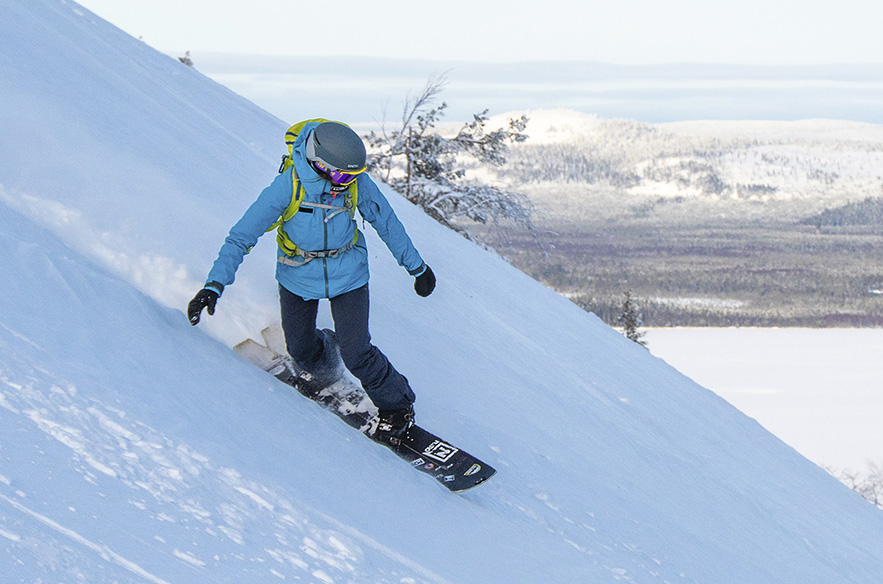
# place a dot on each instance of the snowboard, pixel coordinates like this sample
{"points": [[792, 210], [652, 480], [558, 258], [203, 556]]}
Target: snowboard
{"points": [[452, 467]]}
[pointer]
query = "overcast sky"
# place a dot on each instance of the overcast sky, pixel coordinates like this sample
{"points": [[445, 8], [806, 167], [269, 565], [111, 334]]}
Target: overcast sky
{"points": [[632, 32]]}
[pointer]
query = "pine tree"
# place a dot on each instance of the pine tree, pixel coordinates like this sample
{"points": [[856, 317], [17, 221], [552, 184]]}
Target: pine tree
{"points": [[630, 320], [430, 169]]}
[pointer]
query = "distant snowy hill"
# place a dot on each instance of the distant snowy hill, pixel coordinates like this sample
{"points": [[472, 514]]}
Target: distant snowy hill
{"points": [[135, 448], [810, 165]]}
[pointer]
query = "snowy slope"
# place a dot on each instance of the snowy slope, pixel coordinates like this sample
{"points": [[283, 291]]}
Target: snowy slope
{"points": [[134, 448]]}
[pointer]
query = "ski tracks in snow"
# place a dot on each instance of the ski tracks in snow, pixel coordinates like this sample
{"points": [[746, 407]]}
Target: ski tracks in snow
{"points": [[179, 513], [105, 552]]}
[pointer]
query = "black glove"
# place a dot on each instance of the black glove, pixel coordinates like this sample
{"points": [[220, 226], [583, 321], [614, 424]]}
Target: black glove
{"points": [[205, 298], [424, 284]]}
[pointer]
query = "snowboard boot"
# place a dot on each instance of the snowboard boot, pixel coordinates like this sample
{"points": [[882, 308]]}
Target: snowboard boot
{"points": [[393, 425], [311, 380]]}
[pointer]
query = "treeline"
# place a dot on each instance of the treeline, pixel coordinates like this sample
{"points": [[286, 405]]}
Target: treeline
{"points": [[566, 164], [693, 275], [661, 314], [721, 220], [623, 154], [865, 212], [585, 163]]}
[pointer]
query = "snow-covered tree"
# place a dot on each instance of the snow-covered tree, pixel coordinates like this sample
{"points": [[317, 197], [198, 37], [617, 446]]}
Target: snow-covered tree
{"points": [[431, 169]]}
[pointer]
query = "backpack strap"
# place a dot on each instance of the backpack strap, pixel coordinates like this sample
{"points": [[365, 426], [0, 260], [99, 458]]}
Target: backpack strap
{"points": [[288, 247], [297, 196], [308, 256], [336, 210]]}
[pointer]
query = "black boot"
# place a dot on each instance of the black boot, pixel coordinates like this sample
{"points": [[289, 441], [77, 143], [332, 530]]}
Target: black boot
{"points": [[393, 425], [328, 368]]}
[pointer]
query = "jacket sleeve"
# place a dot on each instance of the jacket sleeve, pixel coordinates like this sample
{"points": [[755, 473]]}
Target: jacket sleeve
{"points": [[268, 207], [374, 207]]}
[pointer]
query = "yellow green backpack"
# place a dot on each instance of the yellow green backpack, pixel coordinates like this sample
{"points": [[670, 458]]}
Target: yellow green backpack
{"points": [[297, 199]]}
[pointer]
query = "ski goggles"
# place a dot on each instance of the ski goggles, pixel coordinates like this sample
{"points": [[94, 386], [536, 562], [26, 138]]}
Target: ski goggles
{"points": [[338, 177]]}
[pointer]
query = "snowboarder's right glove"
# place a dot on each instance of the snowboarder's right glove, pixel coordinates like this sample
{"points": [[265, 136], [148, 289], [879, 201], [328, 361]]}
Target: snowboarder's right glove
{"points": [[205, 298]]}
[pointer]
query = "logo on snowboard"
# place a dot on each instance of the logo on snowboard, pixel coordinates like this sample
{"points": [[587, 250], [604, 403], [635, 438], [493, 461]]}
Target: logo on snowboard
{"points": [[440, 451], [472, 470]]}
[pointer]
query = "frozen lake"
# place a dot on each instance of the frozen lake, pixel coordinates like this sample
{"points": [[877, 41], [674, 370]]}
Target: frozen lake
{"points": [[368, 90], [819, 390]]}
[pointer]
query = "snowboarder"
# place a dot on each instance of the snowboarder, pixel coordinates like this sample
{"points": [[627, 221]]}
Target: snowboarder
{"points": [[322, 254]]}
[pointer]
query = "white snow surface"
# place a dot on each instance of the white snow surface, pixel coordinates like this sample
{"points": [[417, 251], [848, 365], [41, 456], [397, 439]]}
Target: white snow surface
{"points": [[135, 448], [817, 389]]}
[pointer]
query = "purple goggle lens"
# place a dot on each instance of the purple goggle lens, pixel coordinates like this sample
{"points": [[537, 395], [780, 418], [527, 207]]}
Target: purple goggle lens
{"points": [[336, 176]]}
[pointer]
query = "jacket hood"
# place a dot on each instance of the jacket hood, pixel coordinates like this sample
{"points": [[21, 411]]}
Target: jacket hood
{"points": [[312, 181]]}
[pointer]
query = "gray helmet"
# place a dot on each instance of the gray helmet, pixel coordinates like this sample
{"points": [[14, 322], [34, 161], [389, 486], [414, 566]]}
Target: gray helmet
{"points": [[337, 147]]}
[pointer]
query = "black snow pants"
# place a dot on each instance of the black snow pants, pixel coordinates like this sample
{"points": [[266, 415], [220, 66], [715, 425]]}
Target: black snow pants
{"points": [[387, 388]]}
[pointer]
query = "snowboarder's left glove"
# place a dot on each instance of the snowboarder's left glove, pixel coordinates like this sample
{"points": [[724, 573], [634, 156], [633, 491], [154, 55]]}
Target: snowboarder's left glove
{"points": [[425, 282], [205, 298]]}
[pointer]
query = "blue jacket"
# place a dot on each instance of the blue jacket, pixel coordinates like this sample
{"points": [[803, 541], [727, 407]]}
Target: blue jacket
{"points": [[321, 277]]}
